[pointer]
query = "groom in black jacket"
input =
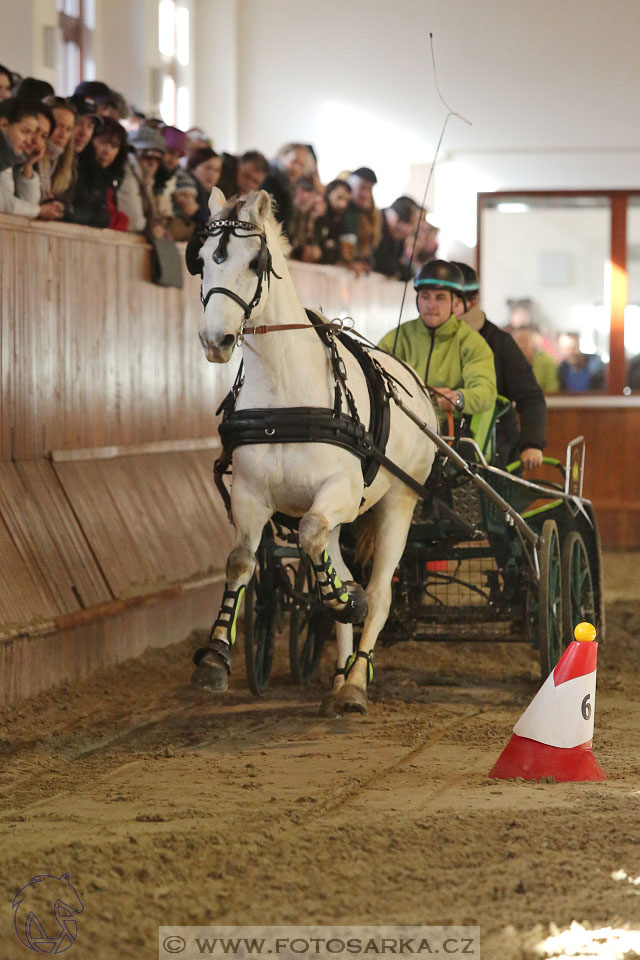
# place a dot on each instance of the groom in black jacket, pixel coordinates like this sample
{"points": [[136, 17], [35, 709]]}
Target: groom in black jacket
{"points": [[515, 381]]}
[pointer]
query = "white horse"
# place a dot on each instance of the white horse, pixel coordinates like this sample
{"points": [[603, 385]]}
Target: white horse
{"points": [[321, 484]]}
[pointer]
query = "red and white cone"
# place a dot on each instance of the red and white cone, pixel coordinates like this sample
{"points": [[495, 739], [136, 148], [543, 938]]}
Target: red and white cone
{"points": [[553, 737]]}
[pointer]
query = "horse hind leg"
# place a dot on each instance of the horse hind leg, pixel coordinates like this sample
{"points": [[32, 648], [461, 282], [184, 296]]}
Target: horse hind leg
{"points": [[213, 661], [393, 518], [344, 635]]}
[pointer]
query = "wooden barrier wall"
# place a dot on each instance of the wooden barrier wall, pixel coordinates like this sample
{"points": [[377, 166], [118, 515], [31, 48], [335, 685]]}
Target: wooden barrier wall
{"points": [[611, 428], [108, 514]]}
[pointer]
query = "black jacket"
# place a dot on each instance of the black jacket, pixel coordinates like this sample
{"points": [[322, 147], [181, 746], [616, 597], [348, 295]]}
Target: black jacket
{"points": [[228, 181], [278, 184], [387, 257], [516, 381]]}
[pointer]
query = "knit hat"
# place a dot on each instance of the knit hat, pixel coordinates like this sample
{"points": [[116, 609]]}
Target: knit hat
{"points": [[185, 183], [147, 138], [174, 139]]}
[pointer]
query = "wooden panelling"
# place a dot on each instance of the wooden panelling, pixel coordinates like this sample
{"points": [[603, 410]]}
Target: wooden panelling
{"points": [[29, 665], [152, 520], [92, 354], [48, 538], [612, 479], [24, 597]]}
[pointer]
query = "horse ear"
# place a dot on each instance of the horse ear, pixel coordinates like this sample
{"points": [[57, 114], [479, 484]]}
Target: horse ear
{"points": [[262, 206], [216, 201]]}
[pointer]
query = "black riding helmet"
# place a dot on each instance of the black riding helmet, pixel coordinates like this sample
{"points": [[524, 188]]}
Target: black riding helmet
{"points": [[470, 277], [440, 275]]}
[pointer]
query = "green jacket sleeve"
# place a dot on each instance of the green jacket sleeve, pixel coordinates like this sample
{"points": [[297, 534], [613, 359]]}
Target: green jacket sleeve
{"points": [[478, 374]]}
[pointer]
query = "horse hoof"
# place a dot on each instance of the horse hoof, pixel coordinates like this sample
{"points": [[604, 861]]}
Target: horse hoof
{"points": [[211, 673], [356, 608], [351, 699], [328, 705]]}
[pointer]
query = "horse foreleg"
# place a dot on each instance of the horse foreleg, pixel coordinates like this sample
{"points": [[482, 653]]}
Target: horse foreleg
{"points": [[213, 661], [335, 503], [392, 518]]}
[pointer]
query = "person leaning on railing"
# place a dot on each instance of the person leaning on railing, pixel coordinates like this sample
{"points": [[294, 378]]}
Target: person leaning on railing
{"points": [[24, 129], [101, 170]]}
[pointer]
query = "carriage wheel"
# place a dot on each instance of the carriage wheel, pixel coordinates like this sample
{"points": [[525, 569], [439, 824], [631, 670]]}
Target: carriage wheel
{"points": [[550, 618], [260, 602], [579, 598], [309, 626]]}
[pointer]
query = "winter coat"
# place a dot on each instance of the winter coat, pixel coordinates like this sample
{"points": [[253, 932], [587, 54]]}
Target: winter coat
{"points": [[18, 194], [546, 372], [454, 356], [8, 156], [94, 199], [451, 355], [387, 256], [278, 184]]}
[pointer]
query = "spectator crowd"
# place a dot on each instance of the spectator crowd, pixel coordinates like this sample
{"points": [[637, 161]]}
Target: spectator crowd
{"points": [[91, 160]]}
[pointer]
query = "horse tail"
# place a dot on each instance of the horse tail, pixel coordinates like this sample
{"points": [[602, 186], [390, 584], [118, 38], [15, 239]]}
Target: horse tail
{"points": [[365, 539]]}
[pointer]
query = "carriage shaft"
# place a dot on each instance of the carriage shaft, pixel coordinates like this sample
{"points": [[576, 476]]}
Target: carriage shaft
{"points": [[453, 455]]}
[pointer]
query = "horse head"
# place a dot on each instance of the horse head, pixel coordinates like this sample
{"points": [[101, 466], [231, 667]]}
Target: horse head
{"points": [[232, 255]]}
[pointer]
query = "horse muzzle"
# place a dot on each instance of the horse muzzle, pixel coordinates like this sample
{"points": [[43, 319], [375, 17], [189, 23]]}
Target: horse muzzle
{"points": [[220, 351]]}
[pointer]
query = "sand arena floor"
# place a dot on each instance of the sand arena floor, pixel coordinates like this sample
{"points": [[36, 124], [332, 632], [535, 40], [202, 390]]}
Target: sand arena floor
{"points": [[169, 807]]}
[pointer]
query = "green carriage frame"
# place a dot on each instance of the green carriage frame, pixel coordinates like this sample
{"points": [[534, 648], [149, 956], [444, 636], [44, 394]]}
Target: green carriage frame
{"points": [[469, 571]]}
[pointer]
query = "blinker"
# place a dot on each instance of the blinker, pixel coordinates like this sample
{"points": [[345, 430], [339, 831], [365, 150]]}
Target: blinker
{"points": [[220, 254]]}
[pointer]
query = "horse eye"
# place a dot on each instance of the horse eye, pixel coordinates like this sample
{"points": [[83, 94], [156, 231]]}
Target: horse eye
{"points": [[254, 264]]}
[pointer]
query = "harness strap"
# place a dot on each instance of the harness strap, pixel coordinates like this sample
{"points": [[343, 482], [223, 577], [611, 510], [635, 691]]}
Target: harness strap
{"points": [[273, 328]]}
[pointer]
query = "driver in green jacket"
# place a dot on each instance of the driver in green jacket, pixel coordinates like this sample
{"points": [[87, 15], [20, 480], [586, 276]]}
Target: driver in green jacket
{"points": [[444, 351]]}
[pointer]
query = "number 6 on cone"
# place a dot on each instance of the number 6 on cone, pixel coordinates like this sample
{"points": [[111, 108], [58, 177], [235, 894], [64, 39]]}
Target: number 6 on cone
{"points": [[553, 736]]}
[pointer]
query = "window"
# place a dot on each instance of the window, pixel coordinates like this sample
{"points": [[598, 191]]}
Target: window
{"points": [[174, 41], [566, 265], [77, 24]]}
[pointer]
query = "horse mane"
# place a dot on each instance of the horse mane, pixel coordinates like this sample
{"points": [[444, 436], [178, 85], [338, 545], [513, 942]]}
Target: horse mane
{"points": [[231, 205]]}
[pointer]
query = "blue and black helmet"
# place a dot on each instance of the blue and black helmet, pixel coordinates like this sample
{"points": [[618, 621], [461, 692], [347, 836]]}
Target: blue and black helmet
{"points": [[439, 275]]}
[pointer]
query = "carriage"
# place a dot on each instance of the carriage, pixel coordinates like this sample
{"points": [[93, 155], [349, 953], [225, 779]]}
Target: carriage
{"points": [[469, 572], [486, 554]]}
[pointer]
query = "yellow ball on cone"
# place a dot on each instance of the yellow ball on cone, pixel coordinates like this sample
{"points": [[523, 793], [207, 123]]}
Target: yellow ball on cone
{"points": [[585, 631]]}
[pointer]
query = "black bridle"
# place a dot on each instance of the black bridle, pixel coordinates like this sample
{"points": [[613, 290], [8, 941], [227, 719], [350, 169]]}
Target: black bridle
{"points": [[262, 264]]}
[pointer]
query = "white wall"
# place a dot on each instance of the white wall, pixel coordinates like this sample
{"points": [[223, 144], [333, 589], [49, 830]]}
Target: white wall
{"points": [[549, 86], [216, 71], [537, 79], [126, 47], [16, 36]]}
